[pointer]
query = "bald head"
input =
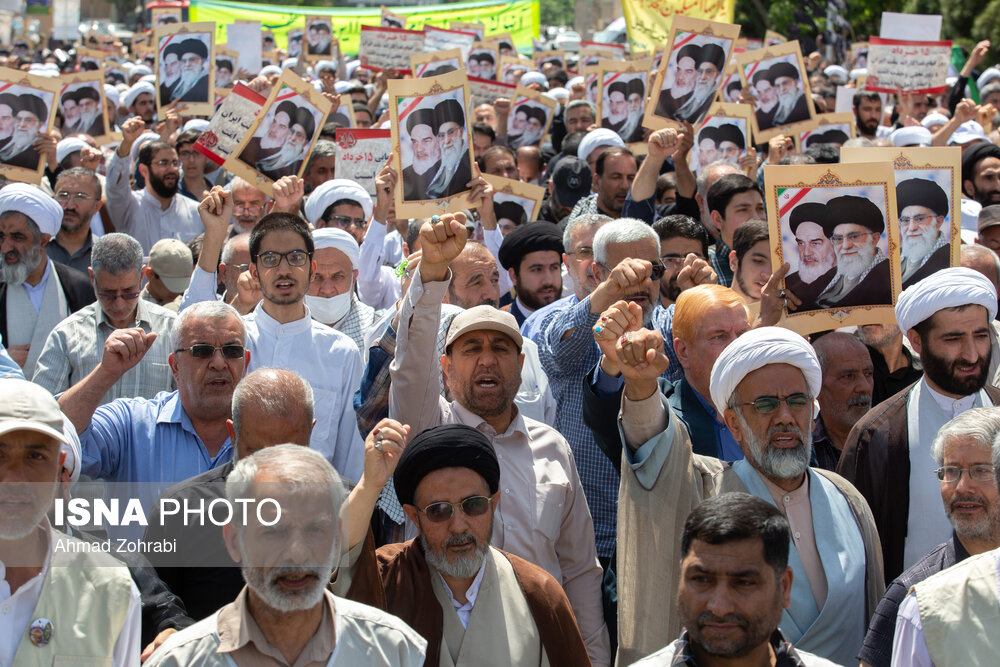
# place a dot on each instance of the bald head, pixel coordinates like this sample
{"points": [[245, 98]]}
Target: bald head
{"points": [[982, 259], [475, 278], [271, 406]]}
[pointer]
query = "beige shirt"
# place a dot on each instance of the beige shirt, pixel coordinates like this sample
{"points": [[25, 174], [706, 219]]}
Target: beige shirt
{"points": [[797, 509], [543, 515]]}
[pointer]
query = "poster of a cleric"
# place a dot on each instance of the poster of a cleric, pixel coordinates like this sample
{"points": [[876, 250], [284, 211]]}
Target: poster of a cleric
{"points": [[432, 144], [831, 128], [482, 61], [835, 225], [776, 78], [27, 109], [282, 136], [319, 37], [622, 101], [724, 135], [82, 105], [688, 81], [514, 202], [226, 64], [185, 67], [929, 201], [529, 119]]}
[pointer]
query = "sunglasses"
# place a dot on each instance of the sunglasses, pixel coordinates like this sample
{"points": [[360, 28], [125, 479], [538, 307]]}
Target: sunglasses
{"points": [[205, 351], [442, 511]]}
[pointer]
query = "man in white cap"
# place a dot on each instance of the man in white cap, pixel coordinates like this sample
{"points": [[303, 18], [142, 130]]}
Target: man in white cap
{"points": [[764, 385], [59, 597], [168, 273], [340, 203], [482, 365], [331, 298], [946, 318], [140, 100], [36, 293], [595, 140], [75, 346]]}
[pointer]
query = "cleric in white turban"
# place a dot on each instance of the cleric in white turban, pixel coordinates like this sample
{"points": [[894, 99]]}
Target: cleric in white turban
{"points": [[327, 200], [948, 288], [38, 206], [331, 297]]}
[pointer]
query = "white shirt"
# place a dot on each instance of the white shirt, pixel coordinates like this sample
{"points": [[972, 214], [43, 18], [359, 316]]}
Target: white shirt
{"points": [[330, 362], [16, 613], [140, 214], [392, 248], [464, 609], [36, 292], [378, 285], [492, 239]]}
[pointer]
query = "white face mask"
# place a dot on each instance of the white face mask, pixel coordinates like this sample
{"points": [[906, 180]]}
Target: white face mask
{"points": [[329, 309]]}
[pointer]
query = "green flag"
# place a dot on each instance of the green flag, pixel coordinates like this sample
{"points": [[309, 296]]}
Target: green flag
{"points": [[958, 61]]}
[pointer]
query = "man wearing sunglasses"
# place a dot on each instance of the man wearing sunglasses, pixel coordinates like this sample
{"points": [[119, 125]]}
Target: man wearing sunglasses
{"points": [[545, 522], [946, 318], [75, 346], [764, 385], [473, 603]]}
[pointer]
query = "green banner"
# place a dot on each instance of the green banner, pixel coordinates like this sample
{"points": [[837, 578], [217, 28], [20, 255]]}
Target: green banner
{"points": [[520, 18]]}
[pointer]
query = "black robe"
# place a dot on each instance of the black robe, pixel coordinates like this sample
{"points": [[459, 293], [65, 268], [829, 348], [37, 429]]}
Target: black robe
{"points": [[808, 292], [415, 185]]}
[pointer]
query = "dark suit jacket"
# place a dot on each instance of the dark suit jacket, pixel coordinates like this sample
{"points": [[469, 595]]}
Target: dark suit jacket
{"points": [[76, 287], [415, 185], [460, 178], [876, 459], [601, 416]]}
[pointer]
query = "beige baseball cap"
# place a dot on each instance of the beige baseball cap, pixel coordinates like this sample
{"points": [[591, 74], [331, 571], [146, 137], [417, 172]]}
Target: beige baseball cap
{"points": [[25, 406], [484, 317], [173, 262]]}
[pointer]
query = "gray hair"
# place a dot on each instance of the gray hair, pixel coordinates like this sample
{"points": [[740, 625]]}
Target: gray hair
{"points": [[116, 254], [702, 181], [82, 172], [858, 142], [821, 346], [324, 148], [204, 310], [229, 249], [272, 393], [586, 221], [981, 425], [977, 253], [580, 103], [625, 230], [293, 466], [242, 184]]}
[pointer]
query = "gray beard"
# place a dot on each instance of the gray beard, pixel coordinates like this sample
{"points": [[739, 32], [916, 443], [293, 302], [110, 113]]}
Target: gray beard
{"points": [[16, 274], [288, 154], [20, 141], [852, 268], [631, 123], [786, 104], [701, 94], [462, 568], [529, 138], [186, 83], [916, 249], [86, 120], [262, 583], [778, 463], [450, 161], [811, 273]]}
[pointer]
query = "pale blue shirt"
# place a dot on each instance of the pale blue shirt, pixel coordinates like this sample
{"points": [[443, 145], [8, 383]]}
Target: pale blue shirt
{"points": [[36, 292]]}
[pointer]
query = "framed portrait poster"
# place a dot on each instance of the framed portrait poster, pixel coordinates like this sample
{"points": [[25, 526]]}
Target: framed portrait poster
{"points": [[483, 60], [530, 116], [514, 203], [84, 107], [435, 64], [318, 38], [622, 99], [27, 108], [831, 128], [185, 67], [724, 135], [777, 78], [835, 224]]}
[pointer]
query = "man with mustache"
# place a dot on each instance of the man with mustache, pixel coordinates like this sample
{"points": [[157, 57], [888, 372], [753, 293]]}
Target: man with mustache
{"points": [[29, 116], [791, 98], [285, 613], [867, 106], [946, 318], [848, 381], [36, 293], [192, 84], [265, 145], [78, 191], [963, 451], [459, 592], [318, 39], [157, 211], [8, 103], [709, 65], [616, 112], [70, 112], [862, 277], [924, 249], [532, 255], [767, 98], [680, 236], [981, 173], [59, 597], [422, 129], [171, 73], [764, 385], [224, 69], [734, 537], [287, 160], [685, 78], [817, 264], [896, 368], [456, 166], [482, 366]]}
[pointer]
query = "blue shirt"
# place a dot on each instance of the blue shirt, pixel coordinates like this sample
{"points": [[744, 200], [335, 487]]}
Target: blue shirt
{"points": [[146, 440], [532, 325], [728, 448], [9, 367]]}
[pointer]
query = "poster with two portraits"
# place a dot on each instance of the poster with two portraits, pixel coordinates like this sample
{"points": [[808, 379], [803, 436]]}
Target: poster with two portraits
{"points": [[855, 234], [83, 106], [621, 103], [779, 82], [185, 67], [27, 108]]}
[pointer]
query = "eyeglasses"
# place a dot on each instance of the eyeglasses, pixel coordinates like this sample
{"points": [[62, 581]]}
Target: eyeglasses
{"points": [[109, 297], [344, 222], [205, 351], [240, 268], [586, 252], [271, 259], [981, 472], [768, 404], [673, 261], [657, 273], [853, 237], [252, 209], [168, 163], [442, 511], [62, 197], [916, 219]]}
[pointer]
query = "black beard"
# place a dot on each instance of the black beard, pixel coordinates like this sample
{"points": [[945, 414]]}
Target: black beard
{"points": [[671, 290], [161, 188], [941, 372], [867, 128]]}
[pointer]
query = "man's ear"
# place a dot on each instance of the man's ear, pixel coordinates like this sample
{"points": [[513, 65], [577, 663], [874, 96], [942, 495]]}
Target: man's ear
{"points": [[144, 172], [967, 188], [680, 349], [412, 514], [786, 588], [915, 342], [733, 264], [445, 367], [716, 220], [230, 534]]}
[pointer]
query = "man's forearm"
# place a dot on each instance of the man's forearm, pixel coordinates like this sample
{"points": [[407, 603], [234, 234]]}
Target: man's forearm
{"points": [[81, 400], [644, 185]]}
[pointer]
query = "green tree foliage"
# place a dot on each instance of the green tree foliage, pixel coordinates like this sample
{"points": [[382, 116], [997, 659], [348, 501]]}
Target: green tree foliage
{"points": [[557, 12]]}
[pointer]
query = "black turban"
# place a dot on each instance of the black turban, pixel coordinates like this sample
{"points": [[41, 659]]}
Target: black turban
{"points": [[449, 111], [730, 133], [810, 212], [224, 63], [422, 117], [829, 137], [510, 210], [87, 93], [761, 74], [735, 84], [195, 46], [712, 53], [635, 86], [484, 57], [304, 118], [288, 108], [692, 51], [921, 192], [528, 238], [850, 209], [710, 132], [618, 87], [534, 112], [445, 446], [32, 104], [440, 69], [781, 69]]}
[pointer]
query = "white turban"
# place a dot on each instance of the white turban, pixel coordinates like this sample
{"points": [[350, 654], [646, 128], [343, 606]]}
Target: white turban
{"points": [[333, 191], [575, 80], [136, 90], [529, 78], [756, 349], [141, 70], [326, 64], [934, 119], [199, 124], [332, 237], [67, 147], [111, 93], [990, 74], [910, 136], [289, 63], [149, 78], [351, 66], [341, 87], [269, 70], [947, 288], [602, 136], [836, 71], [34, 203], [143, 139]]}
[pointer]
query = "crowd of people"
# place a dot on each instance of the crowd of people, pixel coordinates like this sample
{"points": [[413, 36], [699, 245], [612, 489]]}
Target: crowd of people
{"points": [[579, 439]]}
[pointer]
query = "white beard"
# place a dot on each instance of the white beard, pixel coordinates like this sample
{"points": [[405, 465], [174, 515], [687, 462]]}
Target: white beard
{"points": [[267, 142], [786, 104], [223, 80], [809, 273], [529, 138], [86, 120], [701, 94], [321, 46], [21, 140], [16, 274], [915, 249], [451, 158], [852, 266], [630, 125], [187, 82], [289, 154]]}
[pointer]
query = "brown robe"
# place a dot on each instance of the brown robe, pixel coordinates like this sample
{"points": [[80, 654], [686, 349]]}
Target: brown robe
{"points": [[397, 579], [876, 459]]}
